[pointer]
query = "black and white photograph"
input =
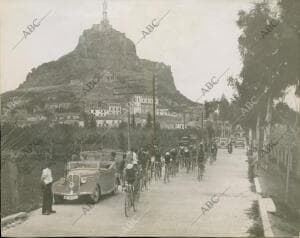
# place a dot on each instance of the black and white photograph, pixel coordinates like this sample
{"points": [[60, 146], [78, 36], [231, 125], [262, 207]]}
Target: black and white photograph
{"points": [[150, 118]]}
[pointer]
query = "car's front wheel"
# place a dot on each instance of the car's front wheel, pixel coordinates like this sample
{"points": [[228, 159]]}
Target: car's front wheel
{"points": [[95, 197]]}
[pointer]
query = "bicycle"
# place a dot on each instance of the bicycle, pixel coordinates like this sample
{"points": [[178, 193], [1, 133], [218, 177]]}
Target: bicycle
{"points": [[173, 167], [129, 199], [201, 168], [167, 173], [193, 162], [188, 164], [144, 180], [157, 170]]}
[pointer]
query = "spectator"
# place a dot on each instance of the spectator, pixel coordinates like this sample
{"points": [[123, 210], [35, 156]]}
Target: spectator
{"points": [[46, 180]]}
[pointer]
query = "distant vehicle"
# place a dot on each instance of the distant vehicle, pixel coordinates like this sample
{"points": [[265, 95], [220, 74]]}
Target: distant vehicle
{"points": [[223, 142], [240, 143], [89, 179]]}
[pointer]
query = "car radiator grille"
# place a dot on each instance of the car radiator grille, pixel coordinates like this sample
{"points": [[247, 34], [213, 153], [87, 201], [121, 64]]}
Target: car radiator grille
{"points": [[73, 183]]}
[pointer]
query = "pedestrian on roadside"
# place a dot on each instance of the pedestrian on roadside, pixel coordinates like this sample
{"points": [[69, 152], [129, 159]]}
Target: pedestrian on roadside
{"points": [[47, 180]]}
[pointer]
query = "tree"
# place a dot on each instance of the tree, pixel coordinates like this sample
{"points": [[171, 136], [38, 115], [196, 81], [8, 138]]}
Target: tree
{"points": [[270, 66], [224, 109]]}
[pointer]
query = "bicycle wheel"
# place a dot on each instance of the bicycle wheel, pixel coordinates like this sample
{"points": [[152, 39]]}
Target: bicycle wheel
{"points": [[127, 204], [133, 204], [156, 173], [141, 184]]}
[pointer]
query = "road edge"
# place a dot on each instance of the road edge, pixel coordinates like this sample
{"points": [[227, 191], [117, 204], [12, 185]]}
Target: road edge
{"points": [[12, 218], [263, 211]]}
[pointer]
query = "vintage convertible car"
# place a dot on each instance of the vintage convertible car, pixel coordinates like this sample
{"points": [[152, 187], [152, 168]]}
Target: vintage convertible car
{"points": [[88, 179]]}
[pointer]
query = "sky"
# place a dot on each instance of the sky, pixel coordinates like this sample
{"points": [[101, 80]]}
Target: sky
{"points": [[197, 38]]}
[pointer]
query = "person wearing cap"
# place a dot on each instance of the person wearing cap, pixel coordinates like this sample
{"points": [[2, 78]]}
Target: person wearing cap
{"points": [[46, 181]]}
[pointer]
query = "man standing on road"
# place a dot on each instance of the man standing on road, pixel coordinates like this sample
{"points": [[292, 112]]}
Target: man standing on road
{"points": [[46, 180]]}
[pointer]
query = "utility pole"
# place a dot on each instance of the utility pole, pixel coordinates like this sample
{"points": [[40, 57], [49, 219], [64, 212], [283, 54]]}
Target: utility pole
{"points": [[128, 120], [127, 93], [183, 120], [154, 117], [202, 120]]}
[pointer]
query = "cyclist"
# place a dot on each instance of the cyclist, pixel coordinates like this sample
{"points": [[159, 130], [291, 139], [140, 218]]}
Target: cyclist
{"points": [[157, 162], [193, 158], [181, 154], [187, 157], [175, 163], [167, 167], [214, 151], [200, 162], [138, 172], [130, 174], [134, 155], [121, 167], [144, 160]]}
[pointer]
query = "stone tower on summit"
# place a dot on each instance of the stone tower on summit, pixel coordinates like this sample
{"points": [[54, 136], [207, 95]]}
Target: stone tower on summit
{"points": [[104, 24]]}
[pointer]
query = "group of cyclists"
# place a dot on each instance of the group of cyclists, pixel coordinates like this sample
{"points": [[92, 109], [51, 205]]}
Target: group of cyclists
{"points": [[140, 167]]}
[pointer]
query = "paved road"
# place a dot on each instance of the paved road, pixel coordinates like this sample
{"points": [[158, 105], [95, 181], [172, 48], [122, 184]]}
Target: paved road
{"points": [[165, 210]]}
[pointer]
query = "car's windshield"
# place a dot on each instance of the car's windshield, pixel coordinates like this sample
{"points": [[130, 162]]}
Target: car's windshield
{"points": [[83, 165]]}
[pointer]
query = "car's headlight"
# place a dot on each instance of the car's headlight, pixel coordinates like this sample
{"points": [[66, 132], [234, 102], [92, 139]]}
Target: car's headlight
{"points": [[83, 179]]}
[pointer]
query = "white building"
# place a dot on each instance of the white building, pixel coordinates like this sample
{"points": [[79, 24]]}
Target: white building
{"points": [[141, 103], [99, 112], [114, 109], [108, 122], [36, 118], [109, 109], [170, 123], [162, 112], [69, 119]]}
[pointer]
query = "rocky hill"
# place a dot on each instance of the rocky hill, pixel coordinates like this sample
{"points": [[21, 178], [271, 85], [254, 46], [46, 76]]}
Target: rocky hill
{"points": [[100, 50]]}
